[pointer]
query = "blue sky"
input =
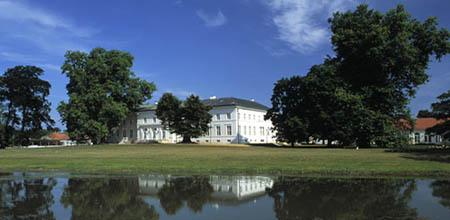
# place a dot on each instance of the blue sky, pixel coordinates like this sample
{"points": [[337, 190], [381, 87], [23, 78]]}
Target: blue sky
{"points": [[209, 48]]}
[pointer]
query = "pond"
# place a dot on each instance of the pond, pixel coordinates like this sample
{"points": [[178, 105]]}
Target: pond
{"points": [[63, 196]]}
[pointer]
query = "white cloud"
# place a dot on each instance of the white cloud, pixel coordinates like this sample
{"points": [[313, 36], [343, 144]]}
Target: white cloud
{"points": [[17, 57], [212, 20], [32, 26], [300, 23], [18, 12]]}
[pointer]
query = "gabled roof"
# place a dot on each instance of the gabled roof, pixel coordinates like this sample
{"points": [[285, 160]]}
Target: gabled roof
{"points": [[231, 101], [56, 136], [424, 123]]}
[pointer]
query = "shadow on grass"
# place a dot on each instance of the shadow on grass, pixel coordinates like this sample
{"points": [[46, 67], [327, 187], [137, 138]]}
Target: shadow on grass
{"points": [[303, 146], [429, 154]]}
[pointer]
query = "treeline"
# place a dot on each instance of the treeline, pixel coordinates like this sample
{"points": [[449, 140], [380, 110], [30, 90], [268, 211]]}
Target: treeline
{"points": [[359, 95]]}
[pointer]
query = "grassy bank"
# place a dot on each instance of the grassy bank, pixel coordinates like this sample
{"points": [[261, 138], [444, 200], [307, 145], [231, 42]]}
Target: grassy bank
{"points": [[203, 159]]}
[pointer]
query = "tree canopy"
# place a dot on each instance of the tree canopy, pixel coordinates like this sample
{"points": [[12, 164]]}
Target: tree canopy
{"points": [[359, 95], [189, 119], [25, 108], [102, 91], [441, 110]]}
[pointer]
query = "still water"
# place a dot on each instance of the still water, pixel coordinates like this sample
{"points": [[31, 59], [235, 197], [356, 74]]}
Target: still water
{"points": [[63, 196]]}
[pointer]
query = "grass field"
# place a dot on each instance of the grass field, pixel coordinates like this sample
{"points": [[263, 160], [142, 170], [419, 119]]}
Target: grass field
{"points": [[204, 159]]}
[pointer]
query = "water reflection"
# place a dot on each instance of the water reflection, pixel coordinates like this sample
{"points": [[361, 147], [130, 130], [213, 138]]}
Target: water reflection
{"points": [[198, 191], [441, 189], [343, 199], [25, 196], [98, 198]]}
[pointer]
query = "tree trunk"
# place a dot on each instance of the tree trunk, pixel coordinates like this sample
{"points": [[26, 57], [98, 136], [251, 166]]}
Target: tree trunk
{"points": [[186, 140]]}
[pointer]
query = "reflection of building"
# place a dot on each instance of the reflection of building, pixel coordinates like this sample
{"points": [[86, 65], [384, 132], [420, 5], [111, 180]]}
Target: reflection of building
{"points": [[227, 189], [233, 121]]}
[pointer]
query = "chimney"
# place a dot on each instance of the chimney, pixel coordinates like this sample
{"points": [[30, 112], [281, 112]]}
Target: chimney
{"points": [[213, 97]]}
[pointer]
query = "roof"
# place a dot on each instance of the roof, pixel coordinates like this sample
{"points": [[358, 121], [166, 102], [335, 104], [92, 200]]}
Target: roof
{"points": [[230, 101], [146, 108], [57, 136], [217, 102], [424, 123]]}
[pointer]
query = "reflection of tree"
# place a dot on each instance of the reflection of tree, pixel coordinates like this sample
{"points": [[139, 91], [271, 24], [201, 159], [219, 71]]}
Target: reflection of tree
{"points": [[106, 199], [196, 191], [342, 199], [441, 189], [26, 199]]}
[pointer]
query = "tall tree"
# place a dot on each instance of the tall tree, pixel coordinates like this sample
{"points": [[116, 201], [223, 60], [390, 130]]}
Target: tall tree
{"points": [[189, 119], [358, 96], [102, 91], [24, 95], [384, 57], [441, 110]]}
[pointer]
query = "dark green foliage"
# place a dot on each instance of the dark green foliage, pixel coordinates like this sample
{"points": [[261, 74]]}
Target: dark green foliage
{"points": [[189, 119], [102, 91], [441, 110], [360, 95], [25, 108]]}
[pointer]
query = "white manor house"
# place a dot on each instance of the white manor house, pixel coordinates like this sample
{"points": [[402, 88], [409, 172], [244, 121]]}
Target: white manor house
{"points": [[234, 120]]}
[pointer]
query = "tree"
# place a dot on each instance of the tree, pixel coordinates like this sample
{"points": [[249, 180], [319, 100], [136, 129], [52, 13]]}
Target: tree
{"points": [[27, 109], [360, 95], [189, 119], [102, 92], [384, 57], [441, 110]]}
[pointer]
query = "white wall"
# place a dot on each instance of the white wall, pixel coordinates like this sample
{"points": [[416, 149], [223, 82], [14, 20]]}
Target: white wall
{"points": [[247, 126]]}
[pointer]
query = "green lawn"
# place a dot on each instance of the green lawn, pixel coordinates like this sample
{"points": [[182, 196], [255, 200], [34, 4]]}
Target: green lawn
{"points": [[204, 159]]}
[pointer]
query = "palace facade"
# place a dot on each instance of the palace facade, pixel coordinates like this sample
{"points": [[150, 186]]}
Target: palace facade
{"points": [[234, 120]]}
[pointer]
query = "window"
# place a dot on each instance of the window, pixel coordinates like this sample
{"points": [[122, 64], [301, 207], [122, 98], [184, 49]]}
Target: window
{"points": [[218, 131], [229, 130], [164, 134], [228, 115], [261, 131], [218, 140], [239, 115], [228, 140], [254, 130], [245, 130], [244, 116], [218, 116], [145, 120], [239, 129], [254, 117], [154, 119], [124, 133], [131, 133]]}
